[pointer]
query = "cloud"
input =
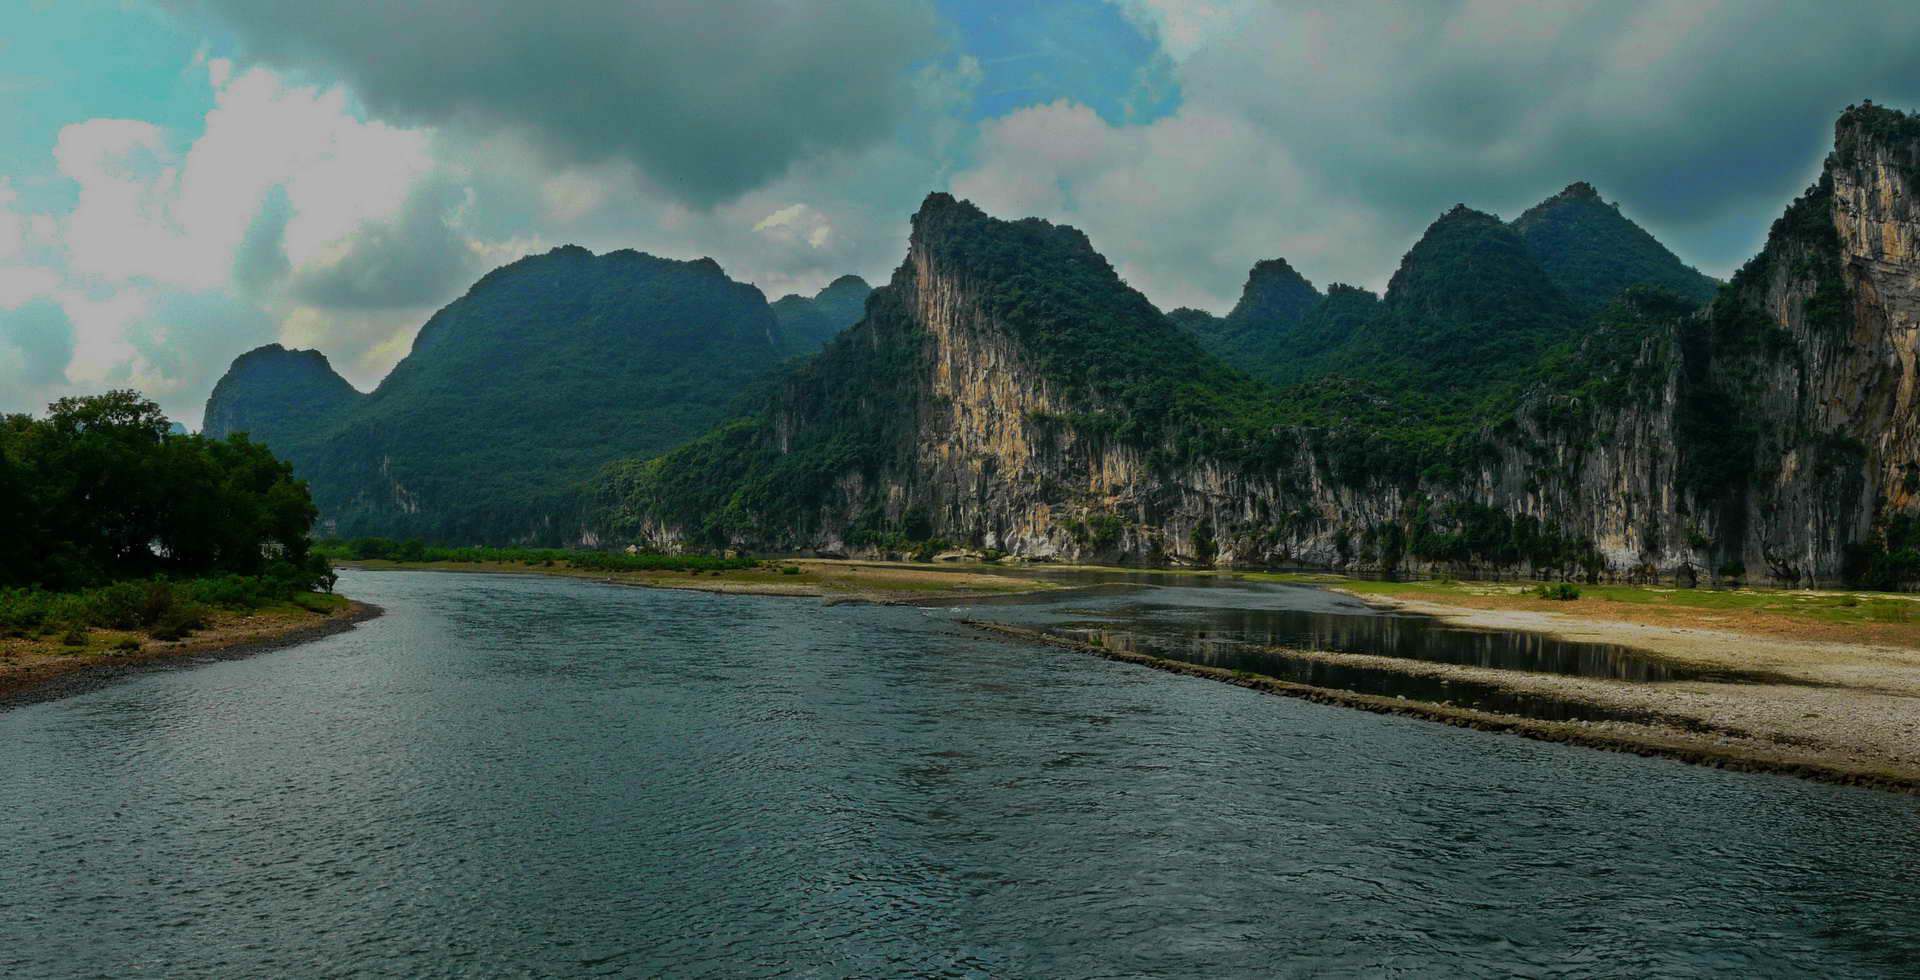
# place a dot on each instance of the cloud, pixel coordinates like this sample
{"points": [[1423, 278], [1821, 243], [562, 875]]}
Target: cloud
{"points": [[797, 223], [414, 259], [1331, 134], [146, 212], [42, 340], [1186, 26], [261, 260], [707, 99]]}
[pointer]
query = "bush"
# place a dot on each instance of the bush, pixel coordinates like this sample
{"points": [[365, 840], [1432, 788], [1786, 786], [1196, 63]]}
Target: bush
{"points": [[23, 611], [1562, 591], [790, 570], [179, 622]]}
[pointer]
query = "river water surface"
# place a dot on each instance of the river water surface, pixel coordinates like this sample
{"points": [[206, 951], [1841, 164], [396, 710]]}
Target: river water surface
{"points": [[536, 776]]}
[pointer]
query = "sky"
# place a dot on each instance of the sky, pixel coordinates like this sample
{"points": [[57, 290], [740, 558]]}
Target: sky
{"points": [[184, 180]]}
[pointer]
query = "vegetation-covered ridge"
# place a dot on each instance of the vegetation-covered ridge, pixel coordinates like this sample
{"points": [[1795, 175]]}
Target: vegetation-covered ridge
{"points": [[547, 369], [807, 323], [1593, 252]]}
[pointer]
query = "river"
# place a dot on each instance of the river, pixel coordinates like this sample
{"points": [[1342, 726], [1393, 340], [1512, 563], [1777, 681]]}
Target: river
{"points": [[519, 775]]}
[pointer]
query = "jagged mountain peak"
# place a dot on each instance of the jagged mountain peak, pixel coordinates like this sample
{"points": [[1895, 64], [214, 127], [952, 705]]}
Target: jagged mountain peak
{"points": [[1593, 252], [1274, 295], [271, 392], [275, 354], [844, 285]]}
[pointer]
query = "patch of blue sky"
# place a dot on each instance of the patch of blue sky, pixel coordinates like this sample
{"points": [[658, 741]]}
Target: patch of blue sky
{"points": [[1082, 50]]}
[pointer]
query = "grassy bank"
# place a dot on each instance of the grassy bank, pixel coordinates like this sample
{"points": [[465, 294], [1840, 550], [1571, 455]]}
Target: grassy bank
{"points": [[102, 631], [1885, 618], [152, 609]]}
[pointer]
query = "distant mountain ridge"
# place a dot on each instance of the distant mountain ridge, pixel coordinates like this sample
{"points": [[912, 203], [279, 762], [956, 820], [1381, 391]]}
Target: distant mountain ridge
{"points": [[809, 322], [512, 395], [1473, 295]]}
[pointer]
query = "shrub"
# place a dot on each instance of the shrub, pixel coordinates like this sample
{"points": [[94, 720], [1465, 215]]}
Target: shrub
{"points": [[75, 636], [180, 621], [1562, 591], [790, 570]]}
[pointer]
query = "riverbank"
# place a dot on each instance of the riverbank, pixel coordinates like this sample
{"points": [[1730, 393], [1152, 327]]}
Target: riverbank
{"points": [[835, 580], [1824, 685], [1828, 688], [1673, 726], [36, 669]]}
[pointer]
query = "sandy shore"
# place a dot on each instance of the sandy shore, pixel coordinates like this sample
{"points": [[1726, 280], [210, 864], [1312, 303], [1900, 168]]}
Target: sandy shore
{"points": [[42, 670], [832, 579], [1719, 745], [1847, 707]]}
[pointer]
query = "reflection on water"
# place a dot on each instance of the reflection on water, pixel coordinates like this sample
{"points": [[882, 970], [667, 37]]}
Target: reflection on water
{"points": [[1301, 618], [523, 776], [1229, 654]]}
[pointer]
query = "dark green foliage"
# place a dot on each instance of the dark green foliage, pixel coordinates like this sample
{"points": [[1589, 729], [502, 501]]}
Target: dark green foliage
{"points": [[1889, 560], [1869, 124], [806, 324], [1274, 294], [101, 490], [1468, 311], [1592, 252], [285, 399], [165, 609], [1261, 332], [1562, 591], [514, 394]]}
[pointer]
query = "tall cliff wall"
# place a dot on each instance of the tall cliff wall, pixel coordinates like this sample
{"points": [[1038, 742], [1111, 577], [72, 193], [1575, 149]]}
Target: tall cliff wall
{"points": [[1759, 438]]}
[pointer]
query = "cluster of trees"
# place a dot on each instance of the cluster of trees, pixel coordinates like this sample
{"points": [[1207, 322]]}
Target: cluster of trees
{"points": [[100, 490]]}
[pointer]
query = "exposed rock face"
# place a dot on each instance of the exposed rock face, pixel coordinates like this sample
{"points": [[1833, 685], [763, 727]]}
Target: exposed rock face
{"points": [[1761, 437], [1764, 436]]}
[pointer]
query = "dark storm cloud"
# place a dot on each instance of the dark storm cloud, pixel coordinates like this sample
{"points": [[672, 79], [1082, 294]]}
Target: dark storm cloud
{"points": [[1333, 133], [1704, 118], [416, 259], [708, 98]]}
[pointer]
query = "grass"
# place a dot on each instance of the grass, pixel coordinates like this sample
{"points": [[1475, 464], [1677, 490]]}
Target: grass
{"points": [[1823, 606], [119, 618]]}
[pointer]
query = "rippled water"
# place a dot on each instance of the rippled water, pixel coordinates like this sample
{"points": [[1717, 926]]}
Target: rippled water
{"points": [[527, 776]]}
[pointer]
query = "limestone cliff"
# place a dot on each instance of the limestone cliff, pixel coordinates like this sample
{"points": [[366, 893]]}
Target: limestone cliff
{"points": [[982, 403]]}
